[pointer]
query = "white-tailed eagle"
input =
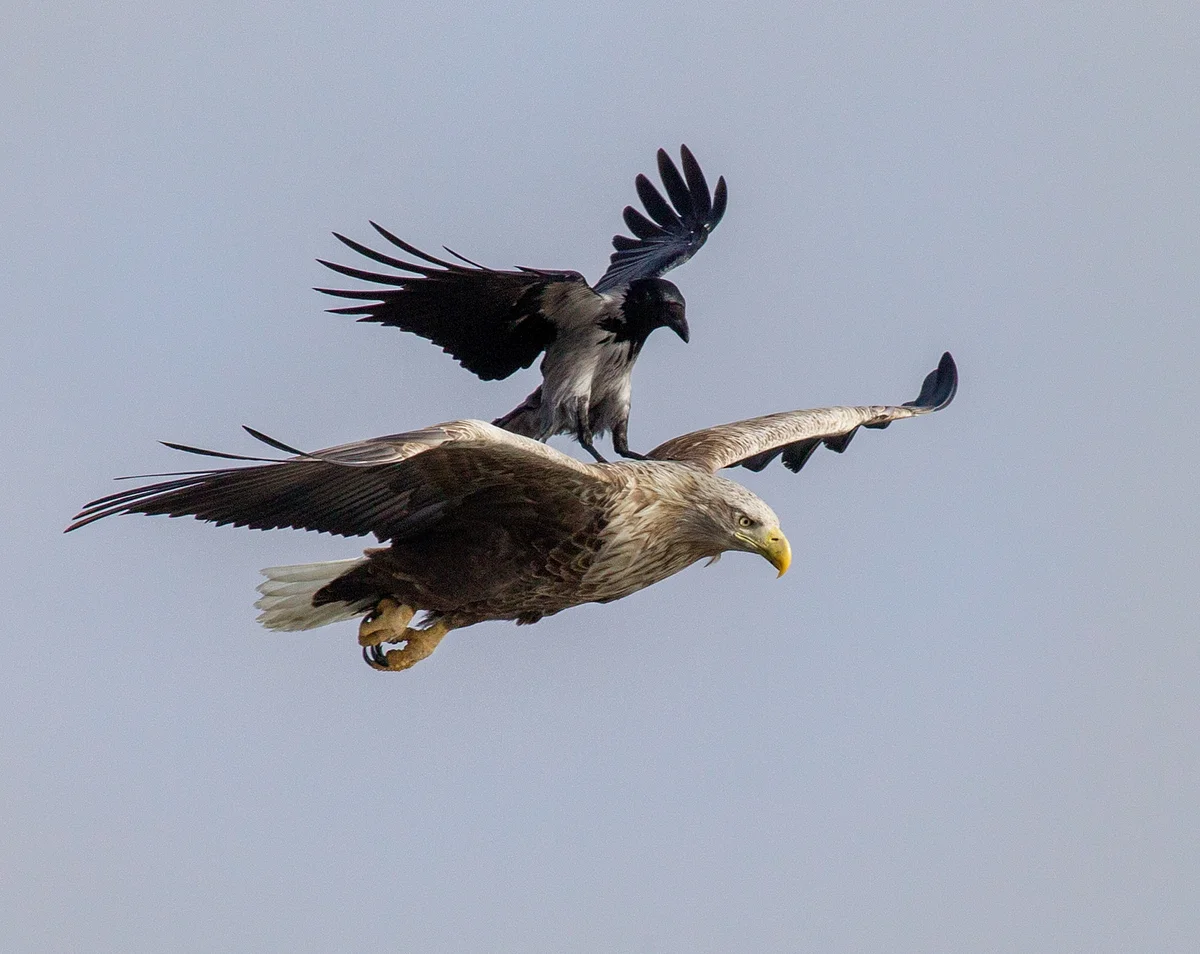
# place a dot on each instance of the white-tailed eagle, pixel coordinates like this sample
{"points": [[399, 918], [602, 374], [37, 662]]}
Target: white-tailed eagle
{"points": [[482, 524], [496, 322]]}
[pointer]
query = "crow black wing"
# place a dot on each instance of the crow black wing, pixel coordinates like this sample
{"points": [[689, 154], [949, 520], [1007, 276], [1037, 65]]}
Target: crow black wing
{"points": [[494, 322], [671, 235]]}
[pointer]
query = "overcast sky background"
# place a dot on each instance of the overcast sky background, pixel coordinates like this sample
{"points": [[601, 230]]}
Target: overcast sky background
{"points": [[965, 721]]}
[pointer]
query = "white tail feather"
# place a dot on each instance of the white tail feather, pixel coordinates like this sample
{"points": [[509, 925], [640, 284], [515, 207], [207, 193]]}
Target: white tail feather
{"points": [[287, 594]]}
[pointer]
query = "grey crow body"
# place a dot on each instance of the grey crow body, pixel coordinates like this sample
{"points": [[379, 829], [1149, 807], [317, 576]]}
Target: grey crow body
{"points": [[496, 322]]}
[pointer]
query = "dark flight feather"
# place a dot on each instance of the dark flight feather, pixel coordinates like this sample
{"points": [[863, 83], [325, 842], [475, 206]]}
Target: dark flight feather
{"points": [[679, 227]]}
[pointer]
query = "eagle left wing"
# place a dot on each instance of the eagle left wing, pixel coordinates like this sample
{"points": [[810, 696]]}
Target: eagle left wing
{"points": [[387, 486], [795, 435], [678, 228]]}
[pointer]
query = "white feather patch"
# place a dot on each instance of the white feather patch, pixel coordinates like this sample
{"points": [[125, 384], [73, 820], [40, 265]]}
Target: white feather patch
{"points": [[287, 594]]}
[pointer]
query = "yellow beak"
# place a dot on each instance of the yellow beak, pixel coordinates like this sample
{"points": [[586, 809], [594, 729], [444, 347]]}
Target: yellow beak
{"points": [[777, 551]]}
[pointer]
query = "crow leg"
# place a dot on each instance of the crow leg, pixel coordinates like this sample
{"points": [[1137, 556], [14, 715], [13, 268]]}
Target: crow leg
{"points": [[620, 438], [583, 430]]}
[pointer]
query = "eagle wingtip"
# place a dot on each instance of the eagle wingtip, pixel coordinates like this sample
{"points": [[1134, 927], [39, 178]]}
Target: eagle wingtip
{"points": [[939, 387]]}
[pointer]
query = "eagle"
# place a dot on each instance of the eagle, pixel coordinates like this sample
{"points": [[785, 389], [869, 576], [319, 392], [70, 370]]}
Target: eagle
{"points": [[497, 322], [481, 524]]}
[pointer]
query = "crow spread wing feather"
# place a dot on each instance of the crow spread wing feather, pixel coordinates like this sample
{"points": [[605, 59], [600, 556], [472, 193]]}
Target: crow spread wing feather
{"points": [[795, 435], [493, 322], [674, 231]]}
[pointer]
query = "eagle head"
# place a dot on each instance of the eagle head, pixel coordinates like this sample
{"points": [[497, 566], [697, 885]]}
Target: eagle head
{"points": [[736, 519]]}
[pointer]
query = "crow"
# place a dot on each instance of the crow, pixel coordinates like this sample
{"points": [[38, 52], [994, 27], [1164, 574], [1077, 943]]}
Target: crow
{"points": [[496, 322]]}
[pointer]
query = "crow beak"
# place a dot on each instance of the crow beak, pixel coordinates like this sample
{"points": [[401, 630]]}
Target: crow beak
{"points": [[678, 324]]}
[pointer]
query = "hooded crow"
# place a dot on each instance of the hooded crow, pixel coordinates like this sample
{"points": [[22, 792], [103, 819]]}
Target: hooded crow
{"points": [[496, 322]]}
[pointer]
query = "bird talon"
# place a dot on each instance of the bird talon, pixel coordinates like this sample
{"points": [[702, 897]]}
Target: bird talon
{"points": [[375, 657], [418, 643], [393, 660], [386, 623]]}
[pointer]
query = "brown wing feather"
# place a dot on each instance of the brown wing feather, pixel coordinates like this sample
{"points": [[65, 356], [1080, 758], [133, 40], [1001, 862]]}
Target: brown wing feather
{"points": [[755, 442], [506, 550], [386, 486]]}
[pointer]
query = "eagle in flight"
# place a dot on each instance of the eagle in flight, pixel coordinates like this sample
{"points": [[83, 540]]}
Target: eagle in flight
{"points": [[481, 524], [497, 322]]}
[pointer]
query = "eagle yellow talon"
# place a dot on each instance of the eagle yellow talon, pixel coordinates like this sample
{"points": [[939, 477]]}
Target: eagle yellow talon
{"points": [[387, 623], [418, 643]]}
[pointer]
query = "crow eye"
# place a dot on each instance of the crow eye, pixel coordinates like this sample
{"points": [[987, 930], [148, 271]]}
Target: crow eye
{"points": [[744, 521]]}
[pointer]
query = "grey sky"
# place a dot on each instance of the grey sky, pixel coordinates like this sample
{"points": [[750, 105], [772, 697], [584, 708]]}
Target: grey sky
{"points": [[965, 721]]}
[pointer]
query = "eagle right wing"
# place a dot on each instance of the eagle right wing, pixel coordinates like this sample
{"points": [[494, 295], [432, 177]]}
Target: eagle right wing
{"points": [[494, 322], [795, 435], [387, 486]]}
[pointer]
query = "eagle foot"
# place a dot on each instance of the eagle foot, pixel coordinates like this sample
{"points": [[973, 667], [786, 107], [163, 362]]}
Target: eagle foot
{"points": [[418, 643], [386, 623]]}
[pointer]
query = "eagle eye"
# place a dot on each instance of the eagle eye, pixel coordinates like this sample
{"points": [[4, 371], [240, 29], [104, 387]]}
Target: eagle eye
{"points": [[744, 521]]}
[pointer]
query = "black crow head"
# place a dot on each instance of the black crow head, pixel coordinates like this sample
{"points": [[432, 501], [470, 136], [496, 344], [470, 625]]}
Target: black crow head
{"points": [[654, 303]]}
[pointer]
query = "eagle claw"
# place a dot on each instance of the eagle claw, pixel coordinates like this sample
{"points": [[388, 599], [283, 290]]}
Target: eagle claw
{"points": [[375, 657], [386, 623], [418, 643]]}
